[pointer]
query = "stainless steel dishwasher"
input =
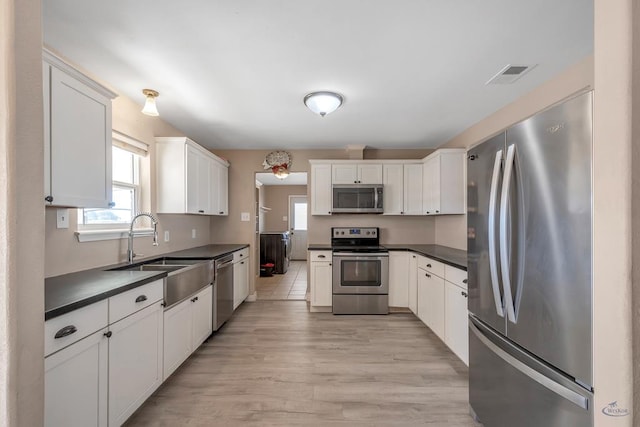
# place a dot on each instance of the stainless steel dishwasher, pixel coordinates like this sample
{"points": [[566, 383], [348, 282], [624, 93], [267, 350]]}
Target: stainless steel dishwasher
{"points": [[223, 291]]}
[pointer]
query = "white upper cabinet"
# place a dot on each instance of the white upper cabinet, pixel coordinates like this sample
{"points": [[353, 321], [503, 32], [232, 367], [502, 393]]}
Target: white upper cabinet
{"points": [[77, 121], [412, 189], [190, 179], [357, 173], [444, 182], [321, 189], [393, 182]]}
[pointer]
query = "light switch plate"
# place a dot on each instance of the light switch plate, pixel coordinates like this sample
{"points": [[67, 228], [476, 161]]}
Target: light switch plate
{"points": [[166, 235], [284, 218], [193, 233], [245, 216], [62, 218]]}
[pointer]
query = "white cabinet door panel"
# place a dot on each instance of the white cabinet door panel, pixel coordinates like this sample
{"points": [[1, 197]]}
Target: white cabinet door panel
{"points": [[393, 181], [412, 189], [370, 174], [413, 283], [321, 290], [202, 317], [344, 173], [398, 279], [321, 189], [178, 334], [456, 332]]}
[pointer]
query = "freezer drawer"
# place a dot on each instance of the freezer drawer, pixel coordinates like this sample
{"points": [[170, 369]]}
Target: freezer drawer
{"points": [[507, 387]]}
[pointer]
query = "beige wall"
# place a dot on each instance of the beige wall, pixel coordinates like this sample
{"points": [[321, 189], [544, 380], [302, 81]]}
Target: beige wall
{"points": [[276, 197], [64, 254], [612, 207], [451, 230], [21, 215]]}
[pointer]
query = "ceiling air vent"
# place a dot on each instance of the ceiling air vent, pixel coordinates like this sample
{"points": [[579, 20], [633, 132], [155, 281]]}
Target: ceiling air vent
{"points": [[510, 74]]}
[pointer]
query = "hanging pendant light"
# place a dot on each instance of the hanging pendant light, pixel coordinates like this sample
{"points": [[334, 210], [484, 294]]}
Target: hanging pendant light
{"points": [[324, 102], [150, 108]]}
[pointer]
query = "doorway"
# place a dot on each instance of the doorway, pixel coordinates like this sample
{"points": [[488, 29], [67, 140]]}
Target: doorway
{"points": [[298, 227]]}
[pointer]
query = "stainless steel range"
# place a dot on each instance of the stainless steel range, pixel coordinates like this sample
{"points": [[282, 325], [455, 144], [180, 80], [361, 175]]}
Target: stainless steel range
{"points": [[360, 271]]}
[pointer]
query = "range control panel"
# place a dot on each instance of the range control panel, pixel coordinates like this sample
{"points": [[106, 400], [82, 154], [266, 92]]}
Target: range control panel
{"points": [[351, 232]]}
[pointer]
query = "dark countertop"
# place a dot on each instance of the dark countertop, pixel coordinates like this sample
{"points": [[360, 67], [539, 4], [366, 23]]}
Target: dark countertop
{"points": [[454, 257], [69, 292]]}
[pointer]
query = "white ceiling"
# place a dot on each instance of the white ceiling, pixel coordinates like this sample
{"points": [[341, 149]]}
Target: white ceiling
{"points": [[232, 74], [294, 178]]}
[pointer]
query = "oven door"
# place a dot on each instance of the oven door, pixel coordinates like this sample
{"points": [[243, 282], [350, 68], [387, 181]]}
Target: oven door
{"points": [[360, 273]]}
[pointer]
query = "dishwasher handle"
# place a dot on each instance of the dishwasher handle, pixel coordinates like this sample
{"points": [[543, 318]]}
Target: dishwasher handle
{"points": [[224, 262]]}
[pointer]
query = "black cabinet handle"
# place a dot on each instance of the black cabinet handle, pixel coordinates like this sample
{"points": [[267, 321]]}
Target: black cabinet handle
{"points": [[49, 199], [464, 281], [108, 334], [321, 256], [241, 262], [66, 331], [221, 212], [413, 256], [428, 265], [437, 211], [330, 264], [200, 211], [194, 299], [464, 294], [141, 298], [428, 275], [427, 211], [112, 204]]}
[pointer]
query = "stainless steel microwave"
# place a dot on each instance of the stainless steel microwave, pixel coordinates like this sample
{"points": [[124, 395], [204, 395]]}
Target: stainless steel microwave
{"points": [[357, 198]]}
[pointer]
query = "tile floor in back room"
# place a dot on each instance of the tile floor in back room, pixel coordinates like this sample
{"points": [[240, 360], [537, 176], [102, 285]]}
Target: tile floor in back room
{"points": [[291, 285]]}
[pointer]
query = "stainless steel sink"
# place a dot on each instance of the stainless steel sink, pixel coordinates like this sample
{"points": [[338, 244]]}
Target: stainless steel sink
{"points": [[185, 276]]}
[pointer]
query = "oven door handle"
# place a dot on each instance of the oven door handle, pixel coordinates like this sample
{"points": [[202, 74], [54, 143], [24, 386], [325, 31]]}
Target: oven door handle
{"points": [[360, 255]]}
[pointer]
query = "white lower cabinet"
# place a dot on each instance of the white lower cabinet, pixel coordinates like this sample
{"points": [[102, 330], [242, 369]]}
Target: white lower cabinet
{"points": [[186, 326], [399, 279], [321, 276], [75, 384], [456, 331], [413, 283], [135, 361], [431, 301], [240, 282]]}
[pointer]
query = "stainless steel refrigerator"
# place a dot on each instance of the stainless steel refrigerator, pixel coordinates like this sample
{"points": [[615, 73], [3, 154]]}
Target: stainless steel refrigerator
{"points": [[530, 271]]}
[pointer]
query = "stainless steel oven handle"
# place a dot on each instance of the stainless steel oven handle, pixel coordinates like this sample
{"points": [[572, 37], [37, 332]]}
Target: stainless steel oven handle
{"points": [[360, 254]]}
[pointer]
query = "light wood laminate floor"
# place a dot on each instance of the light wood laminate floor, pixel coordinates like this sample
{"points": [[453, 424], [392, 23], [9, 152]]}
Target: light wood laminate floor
{"points": [[274, 363]]}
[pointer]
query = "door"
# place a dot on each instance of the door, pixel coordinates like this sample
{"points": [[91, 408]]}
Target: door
{"points": [[321, 294], [413, 284], [202, 312], [393, 181], [360, 273], [484, 172], [547, 238], [456, 330], [177, 336], [298, 226], [321, 189], [413, 181]]}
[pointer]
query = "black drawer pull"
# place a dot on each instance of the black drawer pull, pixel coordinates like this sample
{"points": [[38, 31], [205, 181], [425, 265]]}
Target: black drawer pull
{"points": [[141, 298], [428, 265], [242, 262], [464, 294], [321, 256], [221, 212], [49, 199], [428, 275], [201, 211], [464, 281], [108, 334], [194, 299], [66, 331]]}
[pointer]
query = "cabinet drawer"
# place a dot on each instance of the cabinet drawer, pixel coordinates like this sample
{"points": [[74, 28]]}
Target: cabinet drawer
{"points": [[126, 303], [320, 255], [74, 326], [241, 254], [455, 276], [432, 266]]}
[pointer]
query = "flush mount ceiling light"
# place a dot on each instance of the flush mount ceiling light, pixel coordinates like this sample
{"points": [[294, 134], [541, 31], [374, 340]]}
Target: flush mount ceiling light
{"points": [[150, 108], [324, 102]]}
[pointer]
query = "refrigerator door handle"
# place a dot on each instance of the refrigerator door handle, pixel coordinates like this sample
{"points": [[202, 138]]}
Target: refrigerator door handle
{"points": [[493, 264], [559, 389], [504, 243]]}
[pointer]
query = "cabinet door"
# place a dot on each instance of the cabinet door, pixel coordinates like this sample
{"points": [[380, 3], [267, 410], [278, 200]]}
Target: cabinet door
{"points": [[80, 143], [220, 188], [193, 175], [205, 185], [240, 282], [431, 301], [398, 279], [456, 330], [178, 325], [370, 174], [413, 283], [344, 173], [75, 384], [393, 181], [452, 195], [412, 189], [321, 290], [431, 189], [321, 189], [135, 361], [202, 316]]}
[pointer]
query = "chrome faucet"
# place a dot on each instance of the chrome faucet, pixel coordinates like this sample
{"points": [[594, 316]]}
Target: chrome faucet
{"points": [[154, 233]]}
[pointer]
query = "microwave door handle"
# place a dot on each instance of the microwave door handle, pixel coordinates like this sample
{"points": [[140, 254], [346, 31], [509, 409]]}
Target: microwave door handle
{"points": [[375, 201], [493, 263], [504, 241]]}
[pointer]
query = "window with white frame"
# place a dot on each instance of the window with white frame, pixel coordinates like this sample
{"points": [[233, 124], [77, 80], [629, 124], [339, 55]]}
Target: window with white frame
{"points": [[125, 194]]}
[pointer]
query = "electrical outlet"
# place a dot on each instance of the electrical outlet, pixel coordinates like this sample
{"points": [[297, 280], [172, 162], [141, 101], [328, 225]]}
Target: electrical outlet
{"points": [[193, 233], [245, 216], [284, 218], [62, 218], [166, 235]]}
